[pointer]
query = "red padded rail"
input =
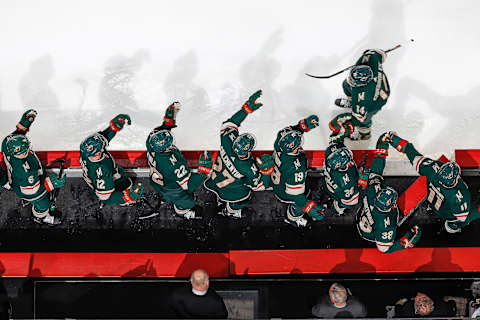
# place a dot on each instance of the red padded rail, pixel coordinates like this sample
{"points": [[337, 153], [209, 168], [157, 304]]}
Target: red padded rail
{"points": [[112, 265], [324, 261], [237, 262], [138, 158], [468, 158]]}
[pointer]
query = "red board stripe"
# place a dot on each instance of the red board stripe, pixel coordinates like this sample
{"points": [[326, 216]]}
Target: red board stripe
{"points": [[468, 158], [413, 196], [237, 262], [138, 158], [112, 265], [325, 261]]}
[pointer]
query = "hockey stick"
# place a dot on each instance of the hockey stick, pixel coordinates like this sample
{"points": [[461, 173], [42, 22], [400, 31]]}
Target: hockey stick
{"points": [[54, 194], [347, 68]]}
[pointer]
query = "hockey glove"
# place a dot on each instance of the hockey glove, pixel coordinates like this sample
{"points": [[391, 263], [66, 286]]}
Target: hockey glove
{"points": [[251, 105], [53, 182], [205, 163], [315, 211], [382, 145], [117, 123], [309, 123], [265, 164], [133, 193], [27, 118], [396, 142], [411, 237], [171, 114], [363, 174]]}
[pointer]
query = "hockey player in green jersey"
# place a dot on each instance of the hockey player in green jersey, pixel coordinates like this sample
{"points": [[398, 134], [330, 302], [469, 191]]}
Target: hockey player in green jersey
{"points": [[105, 178], [340, 177], [367, 91], [377, 219], [290, 173], [234, 173], [3, 172], [25, 172], [448, 195], [169, 172]]}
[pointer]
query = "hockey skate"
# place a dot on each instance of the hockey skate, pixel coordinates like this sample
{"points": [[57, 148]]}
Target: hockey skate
{"points": [[299, 222], [343, 102], [186, 213], [48, 220], [236, 215], [450, 229], [340, 211], [190, 214]]}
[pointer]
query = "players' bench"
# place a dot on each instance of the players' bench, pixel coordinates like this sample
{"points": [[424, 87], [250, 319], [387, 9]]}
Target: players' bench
{"points": [[137, 160]]}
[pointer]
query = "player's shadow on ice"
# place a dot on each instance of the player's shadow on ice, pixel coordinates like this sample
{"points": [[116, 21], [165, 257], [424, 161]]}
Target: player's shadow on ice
{"points": [[441, 262], [259, 72], [353, 263], [116, 92], [34, 88], [445, 121], [180, 83]]}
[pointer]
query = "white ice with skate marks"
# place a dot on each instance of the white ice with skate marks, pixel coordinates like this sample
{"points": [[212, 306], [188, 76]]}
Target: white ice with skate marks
{"points": [[80, 63]]}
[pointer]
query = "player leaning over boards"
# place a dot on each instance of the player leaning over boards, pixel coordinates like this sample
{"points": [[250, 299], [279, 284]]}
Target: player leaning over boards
{"points": [[169, 172], [448, 195], [290, 172], [367, 91], [234, 173], [377, 219], [3, 173], [341, 177], [25, 172], [105, 178]]}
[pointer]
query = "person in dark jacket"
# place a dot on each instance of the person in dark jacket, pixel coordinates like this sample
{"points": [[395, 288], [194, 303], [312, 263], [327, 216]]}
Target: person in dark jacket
{"points": [[422, 306], [339, 303], [199, 301]]}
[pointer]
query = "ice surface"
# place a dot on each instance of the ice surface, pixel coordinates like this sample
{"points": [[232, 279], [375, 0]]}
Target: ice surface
{"points": [[81, 62]]}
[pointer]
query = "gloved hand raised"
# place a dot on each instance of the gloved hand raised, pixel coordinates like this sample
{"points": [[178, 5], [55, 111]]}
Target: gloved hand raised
{"points": [[27, 119], [251, 105], [363, 174], [309, 123], [265, 164], [171, 114], [205, 163], [117, 123]]}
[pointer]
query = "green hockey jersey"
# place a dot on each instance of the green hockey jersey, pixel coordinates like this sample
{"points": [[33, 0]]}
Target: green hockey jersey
{"points": [[233, 178], [101, 175], [374, 225], [448, 203], [368, 100], [169, 170], [3, 172], [342, 186], [26, 175], [289, 173]]}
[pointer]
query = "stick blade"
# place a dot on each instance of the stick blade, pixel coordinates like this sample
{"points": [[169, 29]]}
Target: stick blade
{"points": [[317, 77]]}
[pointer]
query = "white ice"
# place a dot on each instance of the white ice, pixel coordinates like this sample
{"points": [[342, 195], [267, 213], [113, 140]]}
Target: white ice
{"points": [[79, 63]]}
